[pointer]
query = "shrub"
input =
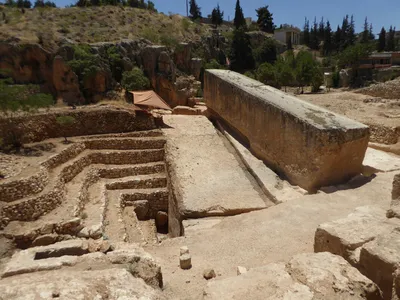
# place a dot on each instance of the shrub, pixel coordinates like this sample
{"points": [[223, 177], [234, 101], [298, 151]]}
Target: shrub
{"points": [[266, 52], [19, 100], [116, 64], [169, 41], [135, 80], [65, 121], [151, 35], [185, 23], [213, 64], [266, 73]]}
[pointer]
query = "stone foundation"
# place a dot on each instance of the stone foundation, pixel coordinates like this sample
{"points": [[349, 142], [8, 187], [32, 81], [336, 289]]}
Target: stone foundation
{"points": [[311, 146]]}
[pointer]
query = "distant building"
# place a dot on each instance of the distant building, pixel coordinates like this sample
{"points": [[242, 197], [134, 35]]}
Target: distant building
{"points": [[288, 34], [380, 60]]}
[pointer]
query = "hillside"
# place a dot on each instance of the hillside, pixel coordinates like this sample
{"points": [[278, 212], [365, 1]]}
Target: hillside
{"points": [[50, 26]]}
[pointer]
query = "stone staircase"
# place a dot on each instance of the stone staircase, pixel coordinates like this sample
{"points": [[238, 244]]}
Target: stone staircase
{"points": [[91, 189]]}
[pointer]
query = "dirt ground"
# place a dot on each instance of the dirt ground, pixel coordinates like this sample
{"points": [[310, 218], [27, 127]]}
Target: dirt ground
{"points": [[373, 111]]}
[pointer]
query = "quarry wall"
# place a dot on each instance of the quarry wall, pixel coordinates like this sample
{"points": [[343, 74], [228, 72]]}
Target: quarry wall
{"points": [[311, 146]]}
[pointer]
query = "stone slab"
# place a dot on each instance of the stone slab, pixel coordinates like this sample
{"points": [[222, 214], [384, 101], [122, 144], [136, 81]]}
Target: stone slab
{"points": [[207, 178], [381, 161], [312, 146]]}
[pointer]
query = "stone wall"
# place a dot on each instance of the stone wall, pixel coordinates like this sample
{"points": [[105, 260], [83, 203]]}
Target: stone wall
{"points": [[311, 146], [88, 121]]}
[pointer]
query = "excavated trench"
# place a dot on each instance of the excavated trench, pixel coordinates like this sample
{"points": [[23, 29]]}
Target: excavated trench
{"points": [[114, 187]]}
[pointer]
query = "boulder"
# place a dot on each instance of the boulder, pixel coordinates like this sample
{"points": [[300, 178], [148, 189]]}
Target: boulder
{"points": [[209, 274], [99, 246], [184, 110], [184, 250], [240, 270]]}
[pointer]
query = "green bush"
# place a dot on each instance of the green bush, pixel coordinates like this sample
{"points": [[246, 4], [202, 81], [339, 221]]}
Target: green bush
{"points": [[266, 52], [266, 73], [135, 80], [185, 23], [169, 41], [116, 64], [65, 121], [151, 35], [213, 64]]}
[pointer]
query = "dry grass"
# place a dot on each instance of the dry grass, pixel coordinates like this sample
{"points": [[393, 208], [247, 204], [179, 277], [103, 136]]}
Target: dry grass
{"points": [[94, 24]]}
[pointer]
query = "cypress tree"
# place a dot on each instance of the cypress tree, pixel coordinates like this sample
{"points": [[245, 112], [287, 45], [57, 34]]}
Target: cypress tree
{"points": [[265, 20], [306, 32], [239, 21], [195, 12], [328, 39], [365, 36], [382, 40], [217, 16]]}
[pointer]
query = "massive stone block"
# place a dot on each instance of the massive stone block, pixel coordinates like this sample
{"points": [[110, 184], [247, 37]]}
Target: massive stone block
{"points": [[311, 146]]}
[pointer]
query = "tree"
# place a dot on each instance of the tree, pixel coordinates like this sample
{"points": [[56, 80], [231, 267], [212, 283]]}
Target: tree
{"points": [[65, 122], [365, 35], [382, 40], [27, 4], [306, 32], [327, 39], [371, 33], [337, 39], [195, 12], [135, 80], [284, 72], [217, 16], [305, 68], [239, 21], [151, 6], [314, 42], [241, 55], [321, 29], [266, 52], [265, 20], [352, 56], [344, 33], [351, 35], [38, 3], [390, 43], [10, 3], [20, 3], [266, 73]]}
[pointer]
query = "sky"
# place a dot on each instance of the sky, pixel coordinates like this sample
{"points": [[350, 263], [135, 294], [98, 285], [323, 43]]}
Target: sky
{"points": [[379, 13]]}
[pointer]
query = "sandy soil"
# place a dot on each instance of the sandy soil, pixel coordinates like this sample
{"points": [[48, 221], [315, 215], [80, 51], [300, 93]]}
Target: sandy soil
{"points": [[365, 109]]}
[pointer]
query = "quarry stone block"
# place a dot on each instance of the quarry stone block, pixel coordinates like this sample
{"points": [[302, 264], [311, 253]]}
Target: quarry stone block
{"points": [[394, 210], [312, 146], [345, 236], [380, 258]]}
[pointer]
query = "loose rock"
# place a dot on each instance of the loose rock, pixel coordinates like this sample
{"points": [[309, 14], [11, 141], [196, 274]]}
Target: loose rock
{"points": [[209, 274]]}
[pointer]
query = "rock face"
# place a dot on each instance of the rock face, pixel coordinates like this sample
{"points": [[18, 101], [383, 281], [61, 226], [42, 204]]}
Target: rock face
{"points": [[329, 148], [306, 276], [33, 64]]}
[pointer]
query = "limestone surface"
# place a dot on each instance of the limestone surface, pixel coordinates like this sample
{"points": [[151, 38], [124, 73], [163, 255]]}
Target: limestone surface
{"points": [[116, 284], [306, 276], [207, 178], [394, 210]]}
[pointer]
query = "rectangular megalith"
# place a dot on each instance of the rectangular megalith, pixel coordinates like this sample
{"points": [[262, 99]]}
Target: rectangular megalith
{"points": [[311, 146]]}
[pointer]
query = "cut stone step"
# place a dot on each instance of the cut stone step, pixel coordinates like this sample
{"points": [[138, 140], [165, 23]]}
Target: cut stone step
{"points": [[134, 233], [139, 182], [126, 143], [118, 171], [157, 198], [144, 133]]}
